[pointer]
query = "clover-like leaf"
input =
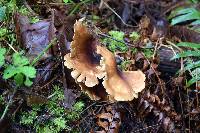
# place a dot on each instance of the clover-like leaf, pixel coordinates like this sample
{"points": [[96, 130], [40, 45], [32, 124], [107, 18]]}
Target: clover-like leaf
{"points": [[28, 82], [19, 69], [28, 71], [19, 79], [9, 72], [19, 60]]}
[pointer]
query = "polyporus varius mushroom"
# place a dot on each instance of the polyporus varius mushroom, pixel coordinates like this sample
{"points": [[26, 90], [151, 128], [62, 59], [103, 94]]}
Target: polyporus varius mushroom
{"points": [[123, 86], [83, 59], [87, 69]]}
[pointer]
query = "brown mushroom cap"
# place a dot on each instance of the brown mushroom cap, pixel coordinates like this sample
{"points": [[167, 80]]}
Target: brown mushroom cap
{"points": [[123, 86], [82, 59]]}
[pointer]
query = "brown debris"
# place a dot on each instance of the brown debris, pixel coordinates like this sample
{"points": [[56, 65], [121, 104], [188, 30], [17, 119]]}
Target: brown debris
{"points": [[123, 86], [34, 37], [85, 64], [160, 108], [110, 120]]}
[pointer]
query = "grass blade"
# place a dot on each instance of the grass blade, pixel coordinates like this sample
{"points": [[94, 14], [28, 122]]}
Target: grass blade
{"points": [[188, 53], [189, 45]]}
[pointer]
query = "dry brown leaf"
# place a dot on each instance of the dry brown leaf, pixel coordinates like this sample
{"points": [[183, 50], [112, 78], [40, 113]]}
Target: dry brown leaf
{"points": [[109, 121], [104, 124], [34, 37], [123, 86], [82, 59]]}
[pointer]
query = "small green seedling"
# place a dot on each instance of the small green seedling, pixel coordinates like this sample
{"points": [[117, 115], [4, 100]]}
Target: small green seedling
{"points": [[192, 66], [19, 69], [134, 36], [3, 31], [52, 117], [67, 1], [1, 100], [117, 44], [124, 64]]}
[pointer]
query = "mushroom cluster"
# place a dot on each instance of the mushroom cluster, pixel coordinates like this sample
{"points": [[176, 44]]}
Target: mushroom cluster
{"points": [[89, 68]]}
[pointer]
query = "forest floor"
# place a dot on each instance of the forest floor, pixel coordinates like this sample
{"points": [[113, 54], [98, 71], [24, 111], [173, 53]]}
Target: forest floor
{"points": [[51, 52]]}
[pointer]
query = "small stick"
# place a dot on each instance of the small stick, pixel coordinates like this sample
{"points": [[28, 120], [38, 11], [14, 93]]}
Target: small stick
{"points": [[117, 14], [42, 53], [8, 105]]}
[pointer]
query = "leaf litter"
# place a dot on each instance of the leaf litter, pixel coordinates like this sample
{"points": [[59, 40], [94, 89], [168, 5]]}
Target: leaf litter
{"points": [[148, 97]]}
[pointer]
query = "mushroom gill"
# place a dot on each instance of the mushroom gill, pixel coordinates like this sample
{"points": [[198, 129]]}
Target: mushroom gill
{"points": [[82, 58], [95, 93], [122, 86]]}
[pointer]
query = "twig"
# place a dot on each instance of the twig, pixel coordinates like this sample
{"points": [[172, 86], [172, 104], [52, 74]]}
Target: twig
{"points": [[29, 8], [117, 14], [146, 128], [196, 74], [12, 48], [8, 104], [105, 35], [42, 53], [155, 48], [181, 104], [160, 82], [78, 5], [101, 34]]}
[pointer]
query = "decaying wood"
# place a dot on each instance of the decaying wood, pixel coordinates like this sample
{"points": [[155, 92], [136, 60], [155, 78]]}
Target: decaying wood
{"points": [[167, 65]]}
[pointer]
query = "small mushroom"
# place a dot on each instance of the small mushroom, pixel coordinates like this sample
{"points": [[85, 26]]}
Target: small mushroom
{"points": [[123, 86], [83, 58]]}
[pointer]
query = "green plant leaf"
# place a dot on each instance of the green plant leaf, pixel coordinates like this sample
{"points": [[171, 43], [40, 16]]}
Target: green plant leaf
{"points": [[117, 44], [28, 71], [190, 66], [19, 60], [192, 81], [197, 22], [9, 72], [185, 15], [189, 45], [20, 66], [134, 36], [28, 82], [3, 31], [19, 79], [117, 35], [2, 56], [2, 13], [174, 13], [195, 77], [60, 123], [148, 53], [66, 1], [188, 53]]}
